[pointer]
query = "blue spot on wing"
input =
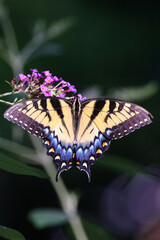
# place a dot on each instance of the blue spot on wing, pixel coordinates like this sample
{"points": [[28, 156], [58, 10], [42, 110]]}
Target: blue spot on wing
{"points": [[57, 148], [54, 142], [79, 154], [97, 143], [101, 138], [69, 153], [64, 154], [84, 153]]}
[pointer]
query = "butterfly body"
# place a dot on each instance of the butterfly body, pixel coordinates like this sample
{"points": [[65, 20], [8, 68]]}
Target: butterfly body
{"points": [[74, 132]]}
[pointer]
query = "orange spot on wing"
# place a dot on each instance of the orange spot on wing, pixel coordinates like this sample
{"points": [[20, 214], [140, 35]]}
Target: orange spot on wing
{"points": [[70, 163], [104, 144], [77, 163], [99, 151], [51, 150], [47, 142]]}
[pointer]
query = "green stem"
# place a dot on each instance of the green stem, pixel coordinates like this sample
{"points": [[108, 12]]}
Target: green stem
{"points": [[6, 94], [12, 56], [67, 200], [40, 38], [6, 102], [12, 93], [8, 30]]}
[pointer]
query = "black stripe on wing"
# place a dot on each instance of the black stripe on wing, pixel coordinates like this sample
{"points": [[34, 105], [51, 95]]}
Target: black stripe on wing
{"points": [[132, 117], [116, 118], [26, 114]]}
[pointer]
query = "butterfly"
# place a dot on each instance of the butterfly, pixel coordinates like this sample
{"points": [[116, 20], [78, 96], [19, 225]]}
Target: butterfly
{"points": [[74, 132]]}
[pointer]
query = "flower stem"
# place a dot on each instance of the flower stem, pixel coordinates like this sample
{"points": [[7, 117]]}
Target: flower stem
{"points": [[6, 94], [12, 93], [6, 102], [67, 200]]}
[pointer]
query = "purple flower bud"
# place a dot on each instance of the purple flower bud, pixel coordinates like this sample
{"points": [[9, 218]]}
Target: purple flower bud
{"points": [[43, 88], [62, 81], [23, 78], [68, 84], [55, 79], [48, 80], [61, 95], [39, 75], [81, 98], [47, 93], [72, 88], [34, 70], [47, 73], [13, 82]]}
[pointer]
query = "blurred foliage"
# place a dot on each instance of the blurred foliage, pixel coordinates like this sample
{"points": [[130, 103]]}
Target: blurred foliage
{"points": [[10, 234], [96, 231], [44, 218], [133, 94], [120, 164], [111, 45], [14, 166]]}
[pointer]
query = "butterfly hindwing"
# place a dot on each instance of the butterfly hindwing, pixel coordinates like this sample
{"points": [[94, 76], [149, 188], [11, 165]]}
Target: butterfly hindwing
{"points": [[115, 118]]}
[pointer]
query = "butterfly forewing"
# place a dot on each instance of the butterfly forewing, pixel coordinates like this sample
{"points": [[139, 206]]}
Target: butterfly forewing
{"points": [[35, 115], [115, 118]]}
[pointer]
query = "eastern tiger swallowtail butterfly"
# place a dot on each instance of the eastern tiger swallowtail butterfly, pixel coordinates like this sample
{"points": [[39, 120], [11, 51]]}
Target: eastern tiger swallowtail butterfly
{"points": [[74, 132]]}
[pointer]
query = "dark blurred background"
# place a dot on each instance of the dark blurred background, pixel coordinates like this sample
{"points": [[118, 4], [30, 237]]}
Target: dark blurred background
{"points": [[111, 45]]}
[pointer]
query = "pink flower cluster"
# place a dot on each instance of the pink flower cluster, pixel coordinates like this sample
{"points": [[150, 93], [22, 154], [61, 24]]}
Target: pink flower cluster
{"points": [[43, 84]]}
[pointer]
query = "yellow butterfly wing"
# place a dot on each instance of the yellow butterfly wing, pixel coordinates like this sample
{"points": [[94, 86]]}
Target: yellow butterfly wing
{"points": [[101, 121], [50, 119], [115, 118]]}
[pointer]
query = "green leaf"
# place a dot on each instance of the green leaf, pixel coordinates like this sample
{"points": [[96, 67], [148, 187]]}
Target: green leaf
{"points": [[43, 218], [96, 231], [10, 234], [120, 164], [14, 166]]}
